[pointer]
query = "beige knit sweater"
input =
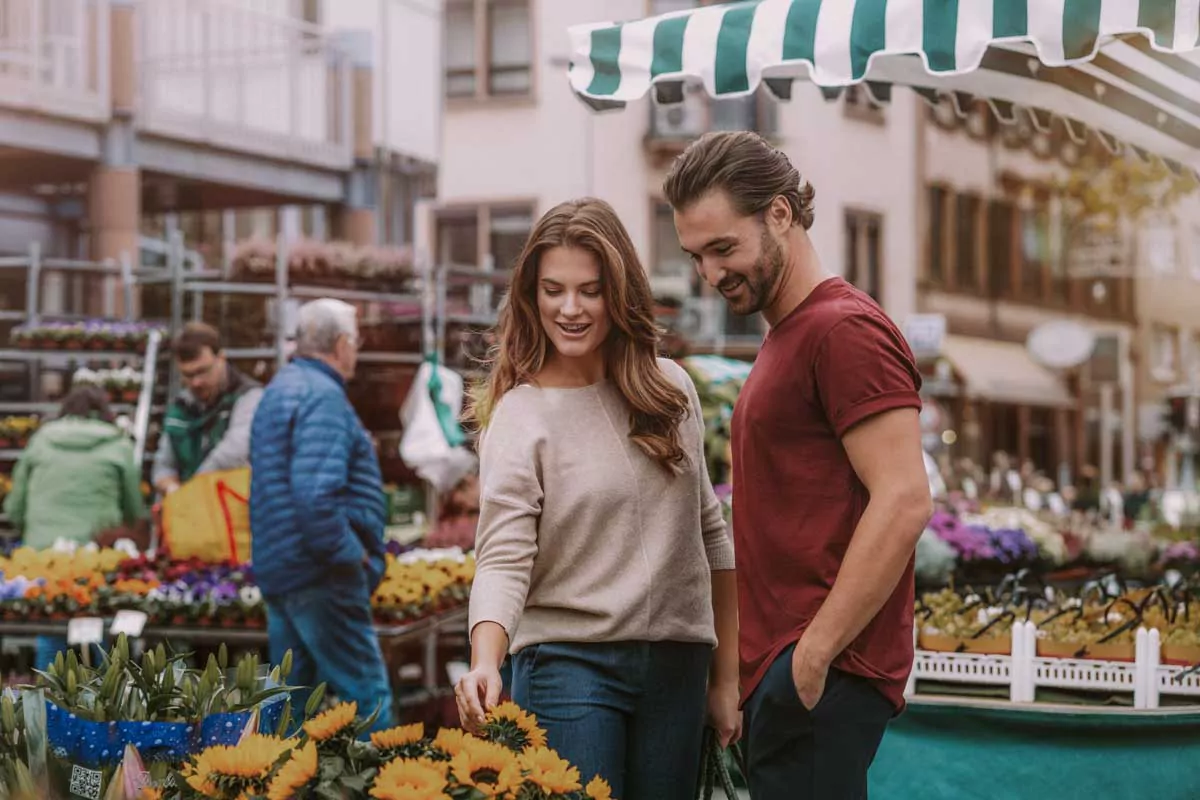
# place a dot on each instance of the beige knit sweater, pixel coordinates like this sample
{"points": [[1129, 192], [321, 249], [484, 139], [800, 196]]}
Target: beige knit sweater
{"points": [[581, 536]]}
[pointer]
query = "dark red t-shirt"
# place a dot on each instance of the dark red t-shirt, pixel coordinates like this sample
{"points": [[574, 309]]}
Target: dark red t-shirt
{"points": [[832, 363]]}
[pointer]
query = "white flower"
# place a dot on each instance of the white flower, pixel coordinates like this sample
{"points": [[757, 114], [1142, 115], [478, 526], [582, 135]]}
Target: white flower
{"points": [[251, 595]]}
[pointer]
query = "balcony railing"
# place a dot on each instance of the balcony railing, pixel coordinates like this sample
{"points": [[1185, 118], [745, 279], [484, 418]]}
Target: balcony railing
{"points": [[236, 78], [54, 57]]}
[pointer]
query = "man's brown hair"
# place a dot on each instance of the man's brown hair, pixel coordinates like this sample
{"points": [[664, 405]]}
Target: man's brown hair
{"points": [[192, 340], [747, 168]]}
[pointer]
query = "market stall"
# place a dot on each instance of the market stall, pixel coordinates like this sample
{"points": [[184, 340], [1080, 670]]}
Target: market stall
{"points": [[153, 727], [1115, 77]]}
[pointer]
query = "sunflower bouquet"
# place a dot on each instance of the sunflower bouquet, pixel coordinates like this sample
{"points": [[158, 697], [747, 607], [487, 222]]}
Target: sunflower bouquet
{"points": [[137, 719], [329, 758]]}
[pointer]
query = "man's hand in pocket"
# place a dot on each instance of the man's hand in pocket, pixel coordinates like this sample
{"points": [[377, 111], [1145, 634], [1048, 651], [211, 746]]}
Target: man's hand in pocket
{"points": [[808, 674]]}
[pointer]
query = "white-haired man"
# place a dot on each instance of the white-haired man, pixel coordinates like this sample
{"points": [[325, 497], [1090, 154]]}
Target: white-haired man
{"points": [[317, 515]]}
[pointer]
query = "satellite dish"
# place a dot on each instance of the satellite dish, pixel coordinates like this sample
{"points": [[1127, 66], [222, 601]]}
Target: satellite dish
{"points": [[1061, 344]]}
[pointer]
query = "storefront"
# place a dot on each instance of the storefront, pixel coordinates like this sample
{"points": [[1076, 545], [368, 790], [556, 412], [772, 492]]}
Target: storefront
{"points": [[990, 397]]}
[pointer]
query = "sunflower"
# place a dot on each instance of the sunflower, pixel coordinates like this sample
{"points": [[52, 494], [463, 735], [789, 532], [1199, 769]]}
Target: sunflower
{"points": [[491, 768], [598, 789], [514, 727], [295, 774], [252, 757], [249, 762], [405, 779], [548, 771], [394, 738], [332, 722], [451, 741]]}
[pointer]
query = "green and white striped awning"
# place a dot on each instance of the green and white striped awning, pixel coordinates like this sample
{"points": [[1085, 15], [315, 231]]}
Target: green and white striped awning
{"points": [[1127, 69]]}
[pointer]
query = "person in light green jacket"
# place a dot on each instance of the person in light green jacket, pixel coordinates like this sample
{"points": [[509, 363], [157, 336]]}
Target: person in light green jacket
{"points": [[77, 478]]}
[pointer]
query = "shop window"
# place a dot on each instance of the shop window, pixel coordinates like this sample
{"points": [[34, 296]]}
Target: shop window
{"points": [[966, 243], [938, 226], [864, 258], [1164, 353]]}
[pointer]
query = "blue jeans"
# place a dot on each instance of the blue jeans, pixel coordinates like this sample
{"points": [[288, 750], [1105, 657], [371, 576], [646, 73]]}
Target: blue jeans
{"points": [[330, 632], [631, 712], [823, 754]]}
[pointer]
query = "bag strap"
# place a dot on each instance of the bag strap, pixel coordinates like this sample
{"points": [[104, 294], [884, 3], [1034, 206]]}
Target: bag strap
{"points": [[713, 769]]}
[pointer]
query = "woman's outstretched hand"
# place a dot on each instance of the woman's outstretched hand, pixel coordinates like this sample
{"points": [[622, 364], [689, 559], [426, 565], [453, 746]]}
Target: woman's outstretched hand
{"points": [[477, 693]]}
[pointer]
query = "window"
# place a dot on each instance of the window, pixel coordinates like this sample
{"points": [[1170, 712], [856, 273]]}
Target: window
{"points": [[1035, 250], [507, 226], [1158, 248], [668, 258], [1195, 259], [1001, 217], [460, 49], [1164, 360], [937, 235], [488, 48], [966, 248], [1190, 360], [508, 230], [859, 104], [864, 243]]}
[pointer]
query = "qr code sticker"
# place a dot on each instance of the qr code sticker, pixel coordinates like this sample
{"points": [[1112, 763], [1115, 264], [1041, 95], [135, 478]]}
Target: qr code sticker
{"points": [[85, 783]]}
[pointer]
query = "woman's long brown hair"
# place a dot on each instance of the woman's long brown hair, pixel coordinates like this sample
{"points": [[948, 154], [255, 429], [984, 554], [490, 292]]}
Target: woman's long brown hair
{"points": [[631, 350]]}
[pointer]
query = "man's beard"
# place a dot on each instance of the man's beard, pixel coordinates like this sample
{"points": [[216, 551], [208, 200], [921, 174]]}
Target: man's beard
{"points": [[762, 280]]}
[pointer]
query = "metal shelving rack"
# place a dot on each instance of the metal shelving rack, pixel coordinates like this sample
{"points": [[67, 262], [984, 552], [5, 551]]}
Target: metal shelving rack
{"points": [[189, 281], [35, 266]]}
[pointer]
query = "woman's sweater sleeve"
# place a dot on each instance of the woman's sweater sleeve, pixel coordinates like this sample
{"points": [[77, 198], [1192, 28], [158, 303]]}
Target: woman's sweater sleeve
{"points": [[510, 486], [717, 544]]}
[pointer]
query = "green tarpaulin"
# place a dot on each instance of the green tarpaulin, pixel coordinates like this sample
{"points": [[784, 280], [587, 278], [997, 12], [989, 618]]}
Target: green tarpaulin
{"points": [[996, 751]]}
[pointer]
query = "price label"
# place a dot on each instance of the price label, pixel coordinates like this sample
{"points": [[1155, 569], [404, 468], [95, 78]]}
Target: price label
{"points": [[85, 630], [129, 622]]}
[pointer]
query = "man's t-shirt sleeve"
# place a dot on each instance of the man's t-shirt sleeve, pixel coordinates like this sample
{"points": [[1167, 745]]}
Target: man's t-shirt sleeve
{"points": [[863, 368]]}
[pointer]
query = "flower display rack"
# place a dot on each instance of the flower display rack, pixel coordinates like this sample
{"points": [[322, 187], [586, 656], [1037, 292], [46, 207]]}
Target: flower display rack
{"points": [[1146, 678]]}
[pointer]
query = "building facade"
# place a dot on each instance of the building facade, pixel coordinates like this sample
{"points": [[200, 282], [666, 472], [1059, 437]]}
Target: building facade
{"points": [[122, 118], [946, 216], [516, 141]]}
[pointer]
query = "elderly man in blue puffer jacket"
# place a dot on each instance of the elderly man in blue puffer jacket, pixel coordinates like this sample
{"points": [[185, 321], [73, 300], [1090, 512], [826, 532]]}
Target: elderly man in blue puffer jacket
{"points": [[317, 514]]}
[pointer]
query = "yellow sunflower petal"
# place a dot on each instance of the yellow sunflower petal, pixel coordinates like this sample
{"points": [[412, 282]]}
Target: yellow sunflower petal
{"points": [[326, 725]]}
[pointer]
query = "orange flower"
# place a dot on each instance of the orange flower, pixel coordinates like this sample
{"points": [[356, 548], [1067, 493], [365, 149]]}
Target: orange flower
{"points": [[598, 789], [547, 770], [295, 774], [334, 721], [535, 737], [407, 779], [491, 768], [398, 737], [451, 741]]}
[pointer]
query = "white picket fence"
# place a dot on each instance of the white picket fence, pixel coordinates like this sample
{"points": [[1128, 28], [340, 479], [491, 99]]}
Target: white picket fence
{"points": [[1023, 672]]}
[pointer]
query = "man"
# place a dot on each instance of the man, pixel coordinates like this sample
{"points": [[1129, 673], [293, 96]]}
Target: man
{"points": [[830, 493], [317, 514], [207, 428]]}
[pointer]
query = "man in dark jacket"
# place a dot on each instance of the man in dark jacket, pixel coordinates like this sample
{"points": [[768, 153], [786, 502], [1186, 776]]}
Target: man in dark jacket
{"points": [[317, 514]]}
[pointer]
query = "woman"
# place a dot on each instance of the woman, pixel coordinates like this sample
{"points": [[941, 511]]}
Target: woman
{"points": [[603, 563], [76, 480]]}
